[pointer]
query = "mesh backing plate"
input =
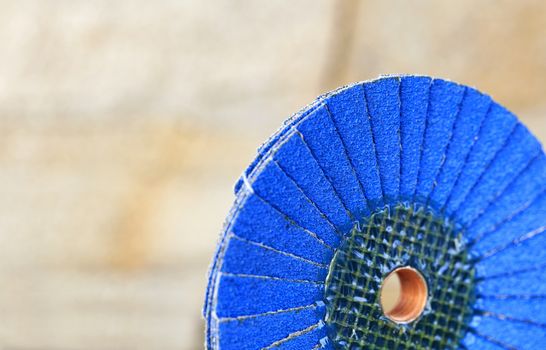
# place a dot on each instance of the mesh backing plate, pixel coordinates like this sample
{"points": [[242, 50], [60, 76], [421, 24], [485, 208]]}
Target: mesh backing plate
{"points": [[395, 236]]}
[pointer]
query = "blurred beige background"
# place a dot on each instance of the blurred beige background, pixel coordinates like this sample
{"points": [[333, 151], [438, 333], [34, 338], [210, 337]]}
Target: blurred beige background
{"points": [[124, 124]]}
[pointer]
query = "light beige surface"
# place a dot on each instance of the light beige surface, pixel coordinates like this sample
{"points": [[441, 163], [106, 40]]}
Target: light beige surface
{"points": [[124, 124]]}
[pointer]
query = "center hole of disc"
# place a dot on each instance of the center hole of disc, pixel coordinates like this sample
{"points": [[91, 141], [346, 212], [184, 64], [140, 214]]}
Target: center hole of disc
{"points": [[403, 295]]}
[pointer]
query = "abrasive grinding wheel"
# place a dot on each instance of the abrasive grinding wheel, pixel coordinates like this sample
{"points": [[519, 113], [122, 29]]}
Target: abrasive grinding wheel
{"points": [[419, 178]]}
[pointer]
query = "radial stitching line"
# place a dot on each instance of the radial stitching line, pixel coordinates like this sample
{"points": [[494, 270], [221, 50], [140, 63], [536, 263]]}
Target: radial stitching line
{"points": [[372, 133], [500, 193], [447, 147], [474, 141], [511, 273], [509, 217], [268, 313], [293, 222], [492, 340], [270, 278], [421, 144], [321, 343], [346, 152], [486, 169], [324, 174], [512, 296], [293, 256], [503, 317], [317, 346], [325, 217], [514, 242], [293, 335]]}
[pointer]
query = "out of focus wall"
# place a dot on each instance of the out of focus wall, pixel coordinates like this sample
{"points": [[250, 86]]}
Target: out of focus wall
{"points": [[124, 124]]}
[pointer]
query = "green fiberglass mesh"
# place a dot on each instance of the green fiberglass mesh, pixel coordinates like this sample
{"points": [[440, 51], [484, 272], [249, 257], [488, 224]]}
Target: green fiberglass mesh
{"points": [[407, 176], [392, 237]]}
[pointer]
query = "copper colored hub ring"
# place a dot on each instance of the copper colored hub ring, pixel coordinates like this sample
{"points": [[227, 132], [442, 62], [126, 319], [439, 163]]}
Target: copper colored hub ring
{"points": [[412, 296]]}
